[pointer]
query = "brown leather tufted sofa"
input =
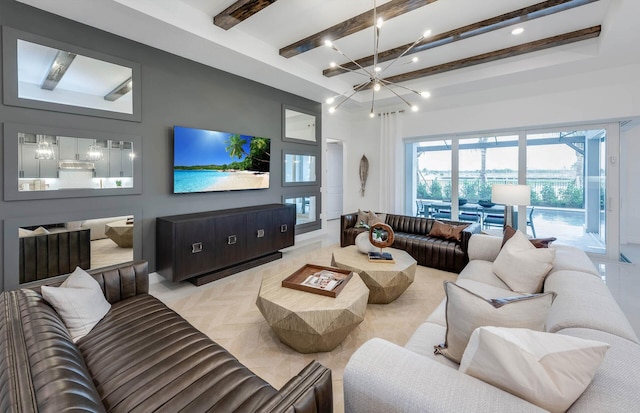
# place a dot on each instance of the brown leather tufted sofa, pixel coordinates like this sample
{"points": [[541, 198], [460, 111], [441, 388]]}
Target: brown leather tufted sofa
{"points": [[141, 357], [411, 236]]}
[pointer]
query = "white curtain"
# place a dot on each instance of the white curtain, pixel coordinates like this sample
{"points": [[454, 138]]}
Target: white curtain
{"points": [[391, 165]]}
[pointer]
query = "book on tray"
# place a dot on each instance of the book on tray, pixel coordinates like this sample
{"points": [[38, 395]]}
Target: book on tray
{"points": [[324, 280]]}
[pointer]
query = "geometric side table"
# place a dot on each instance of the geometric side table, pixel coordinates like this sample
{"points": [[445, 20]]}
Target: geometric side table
{"points": [[386, 281], [307, 322], [120, 232]]}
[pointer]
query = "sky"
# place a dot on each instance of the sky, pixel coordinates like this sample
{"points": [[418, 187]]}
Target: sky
{"points": [[538, 157], [203, 147]]}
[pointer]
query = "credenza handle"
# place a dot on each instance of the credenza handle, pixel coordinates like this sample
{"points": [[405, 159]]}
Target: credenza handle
{"points": [[283, 228], [196, 247], [232, 239], [260, 233]]}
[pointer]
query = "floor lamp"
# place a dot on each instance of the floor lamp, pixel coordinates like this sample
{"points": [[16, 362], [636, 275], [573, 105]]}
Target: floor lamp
{"points": [[510, 195]]}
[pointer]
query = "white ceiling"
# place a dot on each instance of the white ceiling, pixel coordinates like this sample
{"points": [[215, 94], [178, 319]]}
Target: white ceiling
{"points": [[250, 49]]}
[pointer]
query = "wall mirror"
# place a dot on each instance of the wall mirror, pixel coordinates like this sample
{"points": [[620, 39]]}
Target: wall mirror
{"points": [[46, 74], [299, 126], [89, 240], [49, 162], [298, 168], [307, 214]]}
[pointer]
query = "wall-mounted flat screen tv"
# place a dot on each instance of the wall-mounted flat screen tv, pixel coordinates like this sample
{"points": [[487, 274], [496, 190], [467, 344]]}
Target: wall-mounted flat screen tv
{"points": [[209, 161]]}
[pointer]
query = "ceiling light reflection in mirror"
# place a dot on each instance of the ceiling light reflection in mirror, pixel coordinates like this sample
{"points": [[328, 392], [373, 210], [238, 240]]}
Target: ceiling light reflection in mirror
{"points": [[57, 76]]}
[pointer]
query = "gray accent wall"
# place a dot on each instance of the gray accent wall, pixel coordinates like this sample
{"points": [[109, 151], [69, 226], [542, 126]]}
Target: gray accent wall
{"points": [[175, 91]]}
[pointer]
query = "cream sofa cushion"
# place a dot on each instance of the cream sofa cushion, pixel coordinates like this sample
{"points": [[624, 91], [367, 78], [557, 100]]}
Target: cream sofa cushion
{"points": [[522, 266], [548, 370], [467, 311]]}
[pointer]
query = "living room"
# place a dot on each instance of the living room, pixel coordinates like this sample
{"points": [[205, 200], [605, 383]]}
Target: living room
{"points": [[583, 84]]}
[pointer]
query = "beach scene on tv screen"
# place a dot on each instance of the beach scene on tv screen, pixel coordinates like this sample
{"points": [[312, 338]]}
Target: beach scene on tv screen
{"points": [[206, 161]]}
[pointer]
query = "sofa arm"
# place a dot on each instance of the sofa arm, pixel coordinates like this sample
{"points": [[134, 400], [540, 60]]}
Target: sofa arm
{"points": [[347, 221], [484, 247], [383, 377], [308, 392], [466, 235]]}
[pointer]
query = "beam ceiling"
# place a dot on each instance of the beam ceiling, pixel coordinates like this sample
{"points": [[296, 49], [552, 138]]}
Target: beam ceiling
{"points": [[535, 11], [521, 49], [240, 11], [387, 11]]}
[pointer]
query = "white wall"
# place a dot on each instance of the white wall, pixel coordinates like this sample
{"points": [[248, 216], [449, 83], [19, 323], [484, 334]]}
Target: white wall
{"points": [[360, 135], [629, 188]]}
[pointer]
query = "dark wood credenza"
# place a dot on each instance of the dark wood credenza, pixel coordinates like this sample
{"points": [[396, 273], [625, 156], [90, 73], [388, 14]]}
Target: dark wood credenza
{"points": [[206, 246]]}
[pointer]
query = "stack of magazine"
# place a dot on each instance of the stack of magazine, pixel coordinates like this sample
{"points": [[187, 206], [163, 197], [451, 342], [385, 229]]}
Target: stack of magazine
{"points": [[381, 257], [324, 280]]}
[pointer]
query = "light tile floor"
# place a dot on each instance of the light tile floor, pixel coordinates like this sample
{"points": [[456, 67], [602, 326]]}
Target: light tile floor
{"points": [[622, 278]]}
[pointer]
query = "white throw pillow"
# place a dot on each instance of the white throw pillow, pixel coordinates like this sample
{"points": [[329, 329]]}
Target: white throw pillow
{"points": [[522, 266], [549, 370], [79, 301], [467, 311]]}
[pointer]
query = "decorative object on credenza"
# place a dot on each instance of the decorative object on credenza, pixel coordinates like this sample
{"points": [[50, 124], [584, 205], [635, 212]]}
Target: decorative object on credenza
{"points": [[364, 173], [510, 195]]}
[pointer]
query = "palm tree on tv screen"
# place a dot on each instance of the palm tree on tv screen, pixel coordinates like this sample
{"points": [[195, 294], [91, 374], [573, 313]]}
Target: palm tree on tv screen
{"points": [[234, 146]]}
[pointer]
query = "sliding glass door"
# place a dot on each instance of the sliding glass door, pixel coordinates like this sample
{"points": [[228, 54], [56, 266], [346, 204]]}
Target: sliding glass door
{"points": [[566, 169]]}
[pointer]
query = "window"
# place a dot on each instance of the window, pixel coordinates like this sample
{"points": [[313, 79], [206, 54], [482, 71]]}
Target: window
{"points": [[566, 169]]}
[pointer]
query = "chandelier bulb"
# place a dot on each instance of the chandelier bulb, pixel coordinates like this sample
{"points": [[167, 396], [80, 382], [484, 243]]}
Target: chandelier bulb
{"points": [[426, 34], [332, 65], [414, 59], [414, 108], [371, 114], [328, 43], [379, 22], [377, 69], [332, 109], [330, 100], [376, 87], [425, 94]]}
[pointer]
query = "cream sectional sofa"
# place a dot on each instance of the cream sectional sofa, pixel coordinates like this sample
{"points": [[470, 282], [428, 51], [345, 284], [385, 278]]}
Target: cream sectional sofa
{"points": [[384, 377]]}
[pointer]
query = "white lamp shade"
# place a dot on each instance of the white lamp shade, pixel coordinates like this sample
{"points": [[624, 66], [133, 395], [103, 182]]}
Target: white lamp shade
{"points": [[511, 194]]}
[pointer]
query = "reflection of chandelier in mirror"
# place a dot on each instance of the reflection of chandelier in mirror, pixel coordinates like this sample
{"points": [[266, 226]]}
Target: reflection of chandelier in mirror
{"points": [[44, 150], [374, 76], [94, 153]]}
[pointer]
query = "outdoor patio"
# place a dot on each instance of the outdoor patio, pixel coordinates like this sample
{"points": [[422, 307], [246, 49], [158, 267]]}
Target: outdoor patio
{"points": [[566, 224]]}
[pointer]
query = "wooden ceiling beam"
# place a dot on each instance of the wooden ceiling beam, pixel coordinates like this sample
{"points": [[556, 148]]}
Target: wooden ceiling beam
{"points": [[387, 11], [240, 11], [535, 11], [518, 50]]}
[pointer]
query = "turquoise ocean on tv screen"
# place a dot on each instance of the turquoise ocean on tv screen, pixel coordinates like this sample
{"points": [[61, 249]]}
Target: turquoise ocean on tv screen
{"points": [[196, 180]]}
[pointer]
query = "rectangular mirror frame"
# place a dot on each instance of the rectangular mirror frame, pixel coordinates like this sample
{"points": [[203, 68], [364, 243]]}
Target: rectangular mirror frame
{"points": [[10, 37], [307, 226], [11, 240], [11, 192], [297, 140], [286, 152]]}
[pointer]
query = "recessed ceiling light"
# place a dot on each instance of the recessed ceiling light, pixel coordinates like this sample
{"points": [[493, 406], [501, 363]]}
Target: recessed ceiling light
{"points": [[517, 31]]}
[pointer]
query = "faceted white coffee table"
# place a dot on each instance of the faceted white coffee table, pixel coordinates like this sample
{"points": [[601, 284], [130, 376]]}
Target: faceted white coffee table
{"points": [[386, 281], [307, 322]]}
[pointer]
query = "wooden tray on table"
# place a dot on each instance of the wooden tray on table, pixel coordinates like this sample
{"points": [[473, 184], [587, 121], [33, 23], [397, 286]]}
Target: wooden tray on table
{"points": [[297, 279]]}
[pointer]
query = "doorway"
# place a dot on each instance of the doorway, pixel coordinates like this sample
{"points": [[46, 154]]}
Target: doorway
{"points": [[333, 174]]}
